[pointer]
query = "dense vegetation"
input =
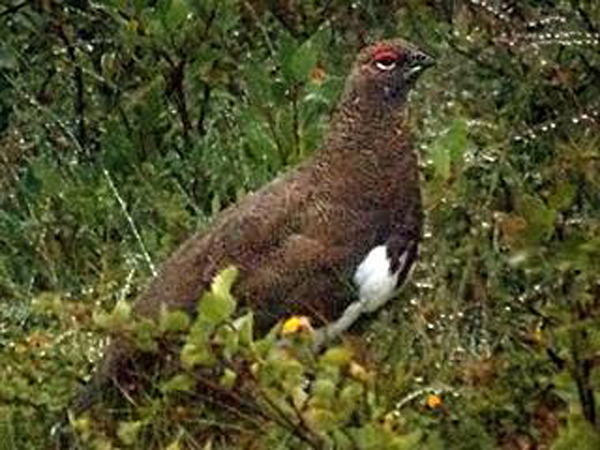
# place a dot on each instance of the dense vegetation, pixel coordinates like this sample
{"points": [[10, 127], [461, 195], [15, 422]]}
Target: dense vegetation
{"points": [[126, 124]]}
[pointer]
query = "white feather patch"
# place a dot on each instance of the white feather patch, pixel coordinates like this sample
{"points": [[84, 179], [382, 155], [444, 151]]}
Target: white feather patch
{"points": [[376, 284]]}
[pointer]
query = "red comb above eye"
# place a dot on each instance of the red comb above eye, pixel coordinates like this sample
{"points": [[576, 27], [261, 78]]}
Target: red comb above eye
{"points": [[385, 54]]}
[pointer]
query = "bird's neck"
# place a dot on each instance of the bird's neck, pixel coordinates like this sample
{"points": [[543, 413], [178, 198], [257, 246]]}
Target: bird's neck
{"points": [[366, 132]]}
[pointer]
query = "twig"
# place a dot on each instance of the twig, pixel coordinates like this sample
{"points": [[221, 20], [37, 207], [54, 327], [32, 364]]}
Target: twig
{"points": [[472, 56], [419, 392], [282, 18], [204, 105], [79, 103], [589, 23], [262, 28], [132, 225], [209, 386], [49, 113], [285, 421], [175, 88], [581, 367], [273, 130], [14, 9]]}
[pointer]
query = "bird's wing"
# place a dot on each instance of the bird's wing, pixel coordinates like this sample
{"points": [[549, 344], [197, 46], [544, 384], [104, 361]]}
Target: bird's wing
{"points": [[243, 229]]}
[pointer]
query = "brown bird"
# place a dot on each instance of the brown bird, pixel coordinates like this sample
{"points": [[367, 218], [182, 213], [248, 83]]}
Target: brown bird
{"points": [[332, 239]]}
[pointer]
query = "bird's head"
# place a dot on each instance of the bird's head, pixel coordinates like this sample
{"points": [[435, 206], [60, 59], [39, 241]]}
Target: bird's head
{"points": [[385, 71]]}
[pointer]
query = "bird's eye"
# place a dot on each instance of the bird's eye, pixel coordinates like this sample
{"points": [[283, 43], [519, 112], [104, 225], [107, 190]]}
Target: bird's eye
{"points": [[385, 63]]}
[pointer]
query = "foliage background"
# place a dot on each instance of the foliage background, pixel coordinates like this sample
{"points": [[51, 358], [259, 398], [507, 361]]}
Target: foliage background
{"points": [[124, 125]]}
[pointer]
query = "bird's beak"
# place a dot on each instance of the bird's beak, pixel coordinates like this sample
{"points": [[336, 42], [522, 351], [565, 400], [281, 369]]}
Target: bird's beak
{"points": [[418, 62], [425, 60]]}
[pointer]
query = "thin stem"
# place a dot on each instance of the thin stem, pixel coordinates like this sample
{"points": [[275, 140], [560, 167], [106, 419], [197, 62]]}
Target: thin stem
{"points": [[262, 28], [130, 221], [296, 121]]}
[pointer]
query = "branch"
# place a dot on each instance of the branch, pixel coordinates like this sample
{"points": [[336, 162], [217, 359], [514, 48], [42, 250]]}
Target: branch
{"points": [[592, 28], [204, 105], [581, 367], [175, 89], [283, 420], [79, 103], [284, 19], [14, 9]]}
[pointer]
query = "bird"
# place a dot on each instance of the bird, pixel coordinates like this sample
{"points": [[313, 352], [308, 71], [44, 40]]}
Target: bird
{"points": [[332, 239]]}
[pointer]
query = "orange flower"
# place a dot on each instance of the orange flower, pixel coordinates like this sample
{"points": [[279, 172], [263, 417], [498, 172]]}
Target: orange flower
{"points": [[318, 75], [433, 401]]}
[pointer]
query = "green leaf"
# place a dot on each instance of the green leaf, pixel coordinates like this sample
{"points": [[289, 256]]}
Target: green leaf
{"points": [[284, 370], [341, 440], [350, 396], [370, 436], [122, 311], [162, 6], [259, 142], [197, 354], [175, 13], [449, 148], [323, 392], [179, 383], [245, 327], [174, 445], [228, 379], [321, 419], [540, 219], [8, 61], [408, 441], [49, 176], [265, 345], [562, 195], [457, 139], [218, 304], [128, 432], [116, 320], [304, 61], [336, 357], [223, 282], [49, 303], [145, 333], [173, 321], [440, 157], [259, 83], [228, 338]]}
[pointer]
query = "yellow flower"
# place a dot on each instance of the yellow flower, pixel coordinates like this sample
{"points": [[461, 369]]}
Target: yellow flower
{"points": [[296, 324]]}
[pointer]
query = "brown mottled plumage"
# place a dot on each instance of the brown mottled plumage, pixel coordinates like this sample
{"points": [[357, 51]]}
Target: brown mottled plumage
{"points": [[298, 241]]}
